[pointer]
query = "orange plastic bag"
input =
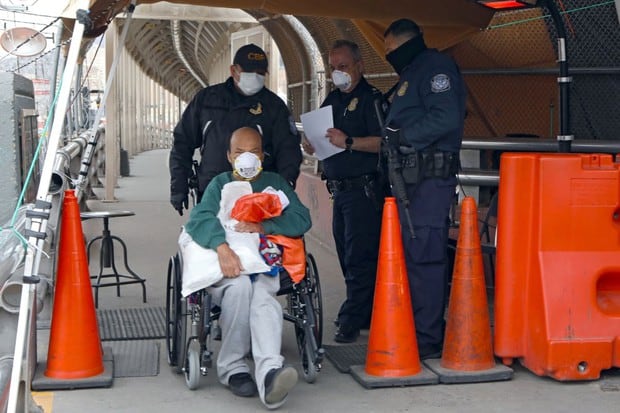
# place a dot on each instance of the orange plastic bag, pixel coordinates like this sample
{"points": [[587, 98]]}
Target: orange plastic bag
{"points": [[256, 207], [259, 206], [293, 255]]}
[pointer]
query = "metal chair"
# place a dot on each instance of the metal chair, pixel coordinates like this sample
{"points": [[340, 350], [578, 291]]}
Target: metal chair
{"points": [[106, 256]]}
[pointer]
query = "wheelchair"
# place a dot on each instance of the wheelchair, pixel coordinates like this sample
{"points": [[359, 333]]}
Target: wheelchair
{"points": [[191, 322]]}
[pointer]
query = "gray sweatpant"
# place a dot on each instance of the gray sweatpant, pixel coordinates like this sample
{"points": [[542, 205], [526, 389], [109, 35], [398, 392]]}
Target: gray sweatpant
{"points": [[251, 318]]}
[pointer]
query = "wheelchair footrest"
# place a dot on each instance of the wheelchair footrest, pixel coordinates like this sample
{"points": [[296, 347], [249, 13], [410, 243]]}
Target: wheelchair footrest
{"points": [[206, 359]]}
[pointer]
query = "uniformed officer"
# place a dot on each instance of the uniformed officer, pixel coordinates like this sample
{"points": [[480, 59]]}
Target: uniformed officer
{"points": [[428, 108], [216, 111], [354, 184]]}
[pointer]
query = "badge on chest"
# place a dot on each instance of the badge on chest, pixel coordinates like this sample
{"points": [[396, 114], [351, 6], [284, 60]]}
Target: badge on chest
{"points": [[257, 110], [352, 105]]}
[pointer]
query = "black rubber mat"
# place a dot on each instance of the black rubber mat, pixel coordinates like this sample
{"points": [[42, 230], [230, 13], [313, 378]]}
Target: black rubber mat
{"points": [[135, 358], [345, 356], [132, 323]]}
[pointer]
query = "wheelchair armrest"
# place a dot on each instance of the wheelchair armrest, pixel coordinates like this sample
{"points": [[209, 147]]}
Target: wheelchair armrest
{"points": [[286, 283]]}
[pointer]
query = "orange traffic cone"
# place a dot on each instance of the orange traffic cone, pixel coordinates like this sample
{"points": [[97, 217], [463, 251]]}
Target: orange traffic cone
{"points": [[467, 351], [392, 358], [75, 350]]}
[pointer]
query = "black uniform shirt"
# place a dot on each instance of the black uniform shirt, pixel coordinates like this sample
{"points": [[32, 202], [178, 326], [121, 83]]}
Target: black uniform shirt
{"points": [[429, 103], [355, 115], [209, 120]]}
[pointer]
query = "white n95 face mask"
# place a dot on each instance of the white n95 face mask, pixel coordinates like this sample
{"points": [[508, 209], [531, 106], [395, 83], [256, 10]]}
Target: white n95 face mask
{"points": [[248, 165], [250, 83], [342, 80]]}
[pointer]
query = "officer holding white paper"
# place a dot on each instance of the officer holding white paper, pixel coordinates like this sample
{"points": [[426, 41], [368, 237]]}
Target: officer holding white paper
{"points": [[354, 184]]}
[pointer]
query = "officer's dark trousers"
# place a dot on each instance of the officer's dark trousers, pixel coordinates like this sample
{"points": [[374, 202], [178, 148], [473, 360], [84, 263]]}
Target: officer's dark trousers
{"points": [[356, 225], [426, 256]]}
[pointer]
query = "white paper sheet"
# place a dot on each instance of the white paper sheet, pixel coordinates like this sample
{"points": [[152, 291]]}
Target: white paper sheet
{"points": [[315, 125]]}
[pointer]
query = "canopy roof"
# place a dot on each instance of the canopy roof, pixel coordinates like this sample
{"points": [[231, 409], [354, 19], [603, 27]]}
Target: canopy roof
{"points": [[515, 56], [445, 22]]}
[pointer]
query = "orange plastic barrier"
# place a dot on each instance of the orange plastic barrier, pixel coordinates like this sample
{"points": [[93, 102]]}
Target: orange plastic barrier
{"points": [[557, 292]]}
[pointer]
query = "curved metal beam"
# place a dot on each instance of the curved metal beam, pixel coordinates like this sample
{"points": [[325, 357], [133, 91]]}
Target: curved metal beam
{"points": [[313, 56], [175, 27]]}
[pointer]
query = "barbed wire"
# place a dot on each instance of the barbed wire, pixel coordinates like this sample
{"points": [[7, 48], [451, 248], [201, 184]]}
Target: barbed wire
{"points": [[21, 21], [19, 4], [32, 13], [544, 16], [63, 43], [103, 13], [85, 77]]}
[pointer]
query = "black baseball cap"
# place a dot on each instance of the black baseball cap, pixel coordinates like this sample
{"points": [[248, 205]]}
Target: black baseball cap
{"points": [[251, 58]]}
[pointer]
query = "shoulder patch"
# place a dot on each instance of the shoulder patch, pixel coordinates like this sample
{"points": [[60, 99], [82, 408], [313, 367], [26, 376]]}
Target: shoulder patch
{"points": [[440, 83]]}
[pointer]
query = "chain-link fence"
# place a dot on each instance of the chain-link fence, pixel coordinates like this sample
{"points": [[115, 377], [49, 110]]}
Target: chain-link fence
{"points": [[511, 72]]}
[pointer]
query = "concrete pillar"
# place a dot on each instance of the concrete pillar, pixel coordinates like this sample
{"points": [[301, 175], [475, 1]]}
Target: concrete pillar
{"points": [[158, 108], [122, 98], [139, 109], [151, 113], [127, 145], [143, 105], [147, 113], [132, 106], [120, 90], [112, 125], [164, 118], [169, 117]]}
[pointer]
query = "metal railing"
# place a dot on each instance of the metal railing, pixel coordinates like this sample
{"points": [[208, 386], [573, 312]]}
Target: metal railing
{"points": [[490, 177], [66, 169]]}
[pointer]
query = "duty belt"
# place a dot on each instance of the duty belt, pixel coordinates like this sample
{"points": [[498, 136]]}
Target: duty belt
{"points": [[347, 184]]}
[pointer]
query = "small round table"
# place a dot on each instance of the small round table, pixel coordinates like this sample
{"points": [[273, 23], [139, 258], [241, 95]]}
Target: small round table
{"points": [[106, 255]]}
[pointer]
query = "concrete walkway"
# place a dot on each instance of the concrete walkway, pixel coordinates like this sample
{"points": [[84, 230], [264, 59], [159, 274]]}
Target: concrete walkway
{"points": [[151, 238]]}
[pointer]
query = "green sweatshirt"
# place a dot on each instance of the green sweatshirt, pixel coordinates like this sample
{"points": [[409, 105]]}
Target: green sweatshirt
{"points": [[206, 230]]}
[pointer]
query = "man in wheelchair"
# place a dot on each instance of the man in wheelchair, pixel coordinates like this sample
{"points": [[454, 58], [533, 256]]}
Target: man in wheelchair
{"points": [[251, 317]]}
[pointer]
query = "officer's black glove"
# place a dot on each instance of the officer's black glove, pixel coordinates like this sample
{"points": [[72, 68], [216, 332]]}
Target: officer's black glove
{"points": [[179, 201]]}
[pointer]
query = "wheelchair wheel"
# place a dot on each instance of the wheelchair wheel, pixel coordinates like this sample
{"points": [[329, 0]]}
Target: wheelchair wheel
{"points": [[176, 316], [192, 365], [310, 353], [312, 277], [310, 369], [170, 313]]}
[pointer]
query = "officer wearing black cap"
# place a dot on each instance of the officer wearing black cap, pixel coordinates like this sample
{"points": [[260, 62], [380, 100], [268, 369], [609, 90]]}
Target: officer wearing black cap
{"points": [[428, 111], [354, 184], [216, 111]]}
